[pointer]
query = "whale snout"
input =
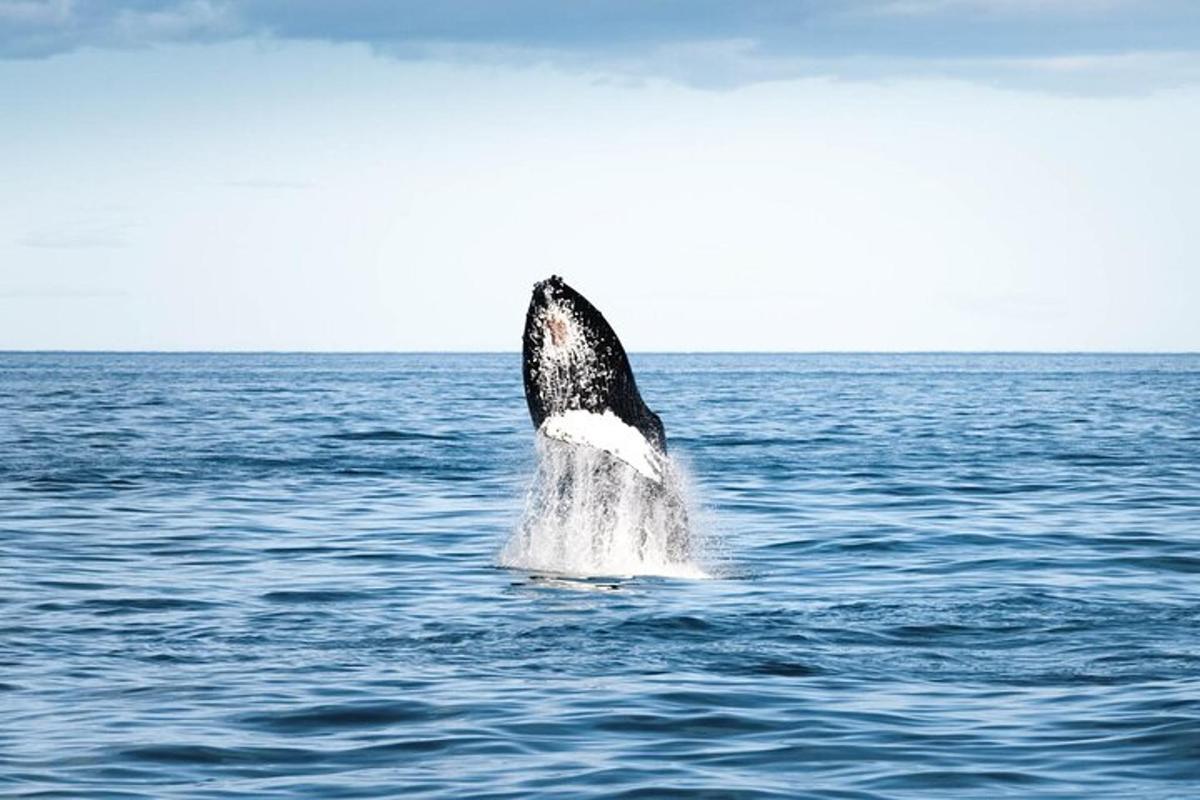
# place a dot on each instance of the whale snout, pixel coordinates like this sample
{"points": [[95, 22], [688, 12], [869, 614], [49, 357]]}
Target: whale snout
{"points": [[548, 291], [551, 306], [551, 319]]}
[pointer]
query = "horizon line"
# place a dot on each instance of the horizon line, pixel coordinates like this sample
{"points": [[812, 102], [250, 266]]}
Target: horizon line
{"points": [[1031, 352]]}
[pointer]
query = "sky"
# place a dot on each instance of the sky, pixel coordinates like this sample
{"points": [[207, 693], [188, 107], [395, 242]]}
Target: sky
{"points": [[714, 175]]}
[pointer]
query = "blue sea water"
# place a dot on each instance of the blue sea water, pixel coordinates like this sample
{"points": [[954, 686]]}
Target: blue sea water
{"points": [[270, 576]]}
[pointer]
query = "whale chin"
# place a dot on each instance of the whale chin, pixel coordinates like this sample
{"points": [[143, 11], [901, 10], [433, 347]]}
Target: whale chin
{"points": [[608, 433]]}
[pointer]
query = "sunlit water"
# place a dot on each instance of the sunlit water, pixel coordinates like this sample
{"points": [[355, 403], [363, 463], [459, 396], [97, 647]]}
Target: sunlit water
{"points": [[275, 576]]}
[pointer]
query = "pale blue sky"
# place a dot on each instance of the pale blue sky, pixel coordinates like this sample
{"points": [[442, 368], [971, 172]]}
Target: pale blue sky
{"points": [[926, 174]]}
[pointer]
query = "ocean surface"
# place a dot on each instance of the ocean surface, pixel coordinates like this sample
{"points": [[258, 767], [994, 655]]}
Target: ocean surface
{"points": [[274, 576]]}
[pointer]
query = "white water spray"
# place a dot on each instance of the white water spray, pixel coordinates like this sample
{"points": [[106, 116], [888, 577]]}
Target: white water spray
{"points": [[589, 513]]}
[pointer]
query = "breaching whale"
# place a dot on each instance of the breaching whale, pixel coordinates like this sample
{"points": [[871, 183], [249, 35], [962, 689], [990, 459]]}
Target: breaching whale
{"points": [[579, 385], [605, 499]]}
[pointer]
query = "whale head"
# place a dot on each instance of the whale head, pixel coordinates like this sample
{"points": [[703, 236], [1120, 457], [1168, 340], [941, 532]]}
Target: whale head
{"points": [[574, 362]]}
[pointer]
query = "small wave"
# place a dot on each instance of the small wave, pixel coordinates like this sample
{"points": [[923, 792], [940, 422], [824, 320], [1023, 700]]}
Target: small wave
{"points": [[323, 718], [682, 624], [960, 780], [118, 435], [776, 668], [133, 605], [202, 755], [82, 586], [1158, 563], [311, 596], [699, 726], [389, 436], [73, 481]]}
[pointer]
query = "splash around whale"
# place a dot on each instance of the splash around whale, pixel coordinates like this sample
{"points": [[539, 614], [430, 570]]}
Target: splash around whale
{"points": [[606, 499]]}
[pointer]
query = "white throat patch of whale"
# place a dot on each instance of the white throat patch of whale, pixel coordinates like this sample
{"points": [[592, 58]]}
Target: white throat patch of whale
{"points": [[606, 498]]}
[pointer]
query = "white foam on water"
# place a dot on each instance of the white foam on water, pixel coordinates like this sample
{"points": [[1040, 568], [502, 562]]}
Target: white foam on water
{"points": [[588, 513]]}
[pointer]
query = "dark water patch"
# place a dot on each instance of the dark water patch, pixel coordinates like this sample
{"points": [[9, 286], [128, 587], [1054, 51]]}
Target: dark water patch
{"points": [[374, 755], [111, 435], [391, 436], [133, 605], [384, 556], [313, 596], [681, 625], [1097, 459], [695, 726], [320, 719], [1154, 563], [194, 755], [302, 550], [75, 586], [960, 780], [363, 472]]}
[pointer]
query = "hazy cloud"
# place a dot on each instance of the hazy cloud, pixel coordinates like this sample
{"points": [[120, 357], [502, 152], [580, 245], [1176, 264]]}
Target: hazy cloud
{"points": [[1069, 45], [77, 238], [58, 293], [269, 183]]}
